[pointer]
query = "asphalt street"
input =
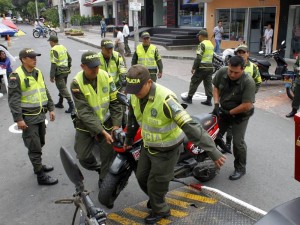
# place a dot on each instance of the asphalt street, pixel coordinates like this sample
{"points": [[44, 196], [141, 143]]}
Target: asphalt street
{"points": [[270, 139]]}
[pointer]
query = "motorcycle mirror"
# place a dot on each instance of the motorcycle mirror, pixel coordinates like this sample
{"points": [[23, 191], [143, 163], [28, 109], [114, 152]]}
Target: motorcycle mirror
{"points": [[261, 52], [122, 98], [184, 105], [71, 169]]}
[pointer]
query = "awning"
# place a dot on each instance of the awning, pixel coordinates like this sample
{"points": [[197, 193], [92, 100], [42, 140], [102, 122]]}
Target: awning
{"points": [[100, 2], [5, 30]]}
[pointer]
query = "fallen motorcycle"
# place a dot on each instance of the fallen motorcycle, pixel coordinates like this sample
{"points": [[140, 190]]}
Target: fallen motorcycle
{"points": [[193, 160], [89, 213]]}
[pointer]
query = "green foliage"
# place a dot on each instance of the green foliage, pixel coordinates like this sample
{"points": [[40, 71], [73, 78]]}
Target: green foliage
{"points": [[51, 17], [31, 10], [5, 6], [77, 20]]}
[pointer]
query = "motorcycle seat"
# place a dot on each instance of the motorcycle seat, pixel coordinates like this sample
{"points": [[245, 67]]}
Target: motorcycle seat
{"points": [[206, 120], [264, 62], [287, 214]]}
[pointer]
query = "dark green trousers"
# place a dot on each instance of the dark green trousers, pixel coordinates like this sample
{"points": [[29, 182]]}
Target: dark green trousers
{"points": [[34, 140], [239, 144], [84, 145], [61, 83], [296, 100], [204, 75], [154, 173]]}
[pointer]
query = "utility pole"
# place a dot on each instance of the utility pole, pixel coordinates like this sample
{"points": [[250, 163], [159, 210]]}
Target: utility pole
{"points": [[136, 26], [60, 16], [36, 9]]}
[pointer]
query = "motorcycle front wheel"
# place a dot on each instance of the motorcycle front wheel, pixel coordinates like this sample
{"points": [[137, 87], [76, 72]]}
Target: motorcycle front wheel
{"points": [[205, 171], [36, 34], [111, 187]]}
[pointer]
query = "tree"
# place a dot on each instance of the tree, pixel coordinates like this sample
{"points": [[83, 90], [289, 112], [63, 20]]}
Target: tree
{"points": [[31, 10], [5, 6]]}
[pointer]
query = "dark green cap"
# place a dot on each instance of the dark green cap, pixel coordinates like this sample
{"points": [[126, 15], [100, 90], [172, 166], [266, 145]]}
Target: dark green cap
{"points": [[145, 35], [90, 59], [53, 38], [106, 43], [202, 33]]}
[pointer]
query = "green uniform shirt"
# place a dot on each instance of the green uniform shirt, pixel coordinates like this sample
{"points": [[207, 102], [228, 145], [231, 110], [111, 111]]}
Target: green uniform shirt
{"points": [[198, 59], [234, 93], [192, 129], [88, 118], [14, 100]]}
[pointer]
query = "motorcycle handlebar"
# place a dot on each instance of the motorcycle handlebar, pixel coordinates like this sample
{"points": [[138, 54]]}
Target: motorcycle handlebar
{"points": [[119, 135], [97, 214]]}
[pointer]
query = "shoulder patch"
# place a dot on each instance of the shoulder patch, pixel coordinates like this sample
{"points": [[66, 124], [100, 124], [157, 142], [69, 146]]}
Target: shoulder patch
{"points": [[75, 90], [12, 83]]}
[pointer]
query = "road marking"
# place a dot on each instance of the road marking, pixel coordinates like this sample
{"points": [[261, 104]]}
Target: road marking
{"points": [[197, 96], [199, 198], [179, 214], [179, 203], [135, 212], [14, 128], [121, 220]]}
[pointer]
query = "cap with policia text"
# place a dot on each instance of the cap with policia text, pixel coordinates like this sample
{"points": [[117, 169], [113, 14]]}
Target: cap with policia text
{"points": [[106, 43], [90, 59], [145, 35], [53, 38], [242, 47], [202, 33], [137, 76], [28, 52]]}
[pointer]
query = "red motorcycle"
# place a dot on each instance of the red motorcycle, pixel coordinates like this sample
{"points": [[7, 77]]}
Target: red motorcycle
{"points": [[193, 160]]}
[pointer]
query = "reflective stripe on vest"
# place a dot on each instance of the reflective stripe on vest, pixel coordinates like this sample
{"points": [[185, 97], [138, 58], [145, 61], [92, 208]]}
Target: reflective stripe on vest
{"points": [[33, 95], [157, 129], [98, 101], [146, 58], [208, 54], [62, 59]]}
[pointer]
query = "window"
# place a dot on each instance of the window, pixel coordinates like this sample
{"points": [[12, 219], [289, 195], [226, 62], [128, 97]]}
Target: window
{"points": [[233, 21]]}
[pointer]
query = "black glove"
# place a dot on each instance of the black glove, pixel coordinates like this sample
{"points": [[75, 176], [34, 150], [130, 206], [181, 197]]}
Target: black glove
{"points": [[216, 110], [225, 112]]}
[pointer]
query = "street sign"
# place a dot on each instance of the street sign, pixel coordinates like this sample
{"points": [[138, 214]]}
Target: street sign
{"points": [[135, 6]]}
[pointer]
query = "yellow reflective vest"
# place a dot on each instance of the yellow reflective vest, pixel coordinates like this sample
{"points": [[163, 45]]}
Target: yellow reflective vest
{"points": [[34, 93], [146, 58], [157, 129], [106, 92], [249, 70], [112, 68], [207, 55]]}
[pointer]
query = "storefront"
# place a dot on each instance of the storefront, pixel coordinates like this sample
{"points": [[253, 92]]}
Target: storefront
{"points": [[244, 21], [191, 13]]}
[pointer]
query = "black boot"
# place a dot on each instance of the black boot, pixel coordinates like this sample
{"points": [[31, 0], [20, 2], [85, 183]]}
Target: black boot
{"points": [[188, 99], [60, 103], [71, 107], [292, 113], [44, 179], [46, 169], [207, 102]]}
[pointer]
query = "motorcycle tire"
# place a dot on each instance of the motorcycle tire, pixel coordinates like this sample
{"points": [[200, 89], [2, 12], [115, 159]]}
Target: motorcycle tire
{"points": [[52, 33], [206, 171], [290, 92], [111, 187], [36, 34]]}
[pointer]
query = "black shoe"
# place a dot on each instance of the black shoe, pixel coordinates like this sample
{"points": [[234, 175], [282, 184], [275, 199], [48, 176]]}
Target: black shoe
{"points": [[149, 205], [44, 179], [206, 103], [46, 169], [59, 105], [71, 108], [292, 113], [187, 99], [155, 217], [237, 175]]}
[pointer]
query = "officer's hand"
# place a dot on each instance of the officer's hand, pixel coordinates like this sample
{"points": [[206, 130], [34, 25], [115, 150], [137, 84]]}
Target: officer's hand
{"points": [[225, 112], [113, 130], [22, 125], [52, 80], [220, 162], [159, 75], [52, 115], [125, 146], [107, 137], [216, 110]]}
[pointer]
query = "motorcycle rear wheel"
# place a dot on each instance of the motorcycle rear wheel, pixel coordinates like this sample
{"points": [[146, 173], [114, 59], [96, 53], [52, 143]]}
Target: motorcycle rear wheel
{"points": [[290, 92], [36, 34], [205, 172], [111, 187]]}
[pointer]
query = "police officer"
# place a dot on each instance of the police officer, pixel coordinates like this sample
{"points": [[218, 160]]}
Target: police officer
{"points": [[296, 100], [202, 69], [162, 119], [252, 70], [98, 113], [234, 94], [29, 100], [147, 54], [60, 69], [112, 62]]}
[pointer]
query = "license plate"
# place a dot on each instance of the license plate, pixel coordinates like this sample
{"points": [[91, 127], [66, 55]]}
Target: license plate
{"points": [[136, 154]]}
